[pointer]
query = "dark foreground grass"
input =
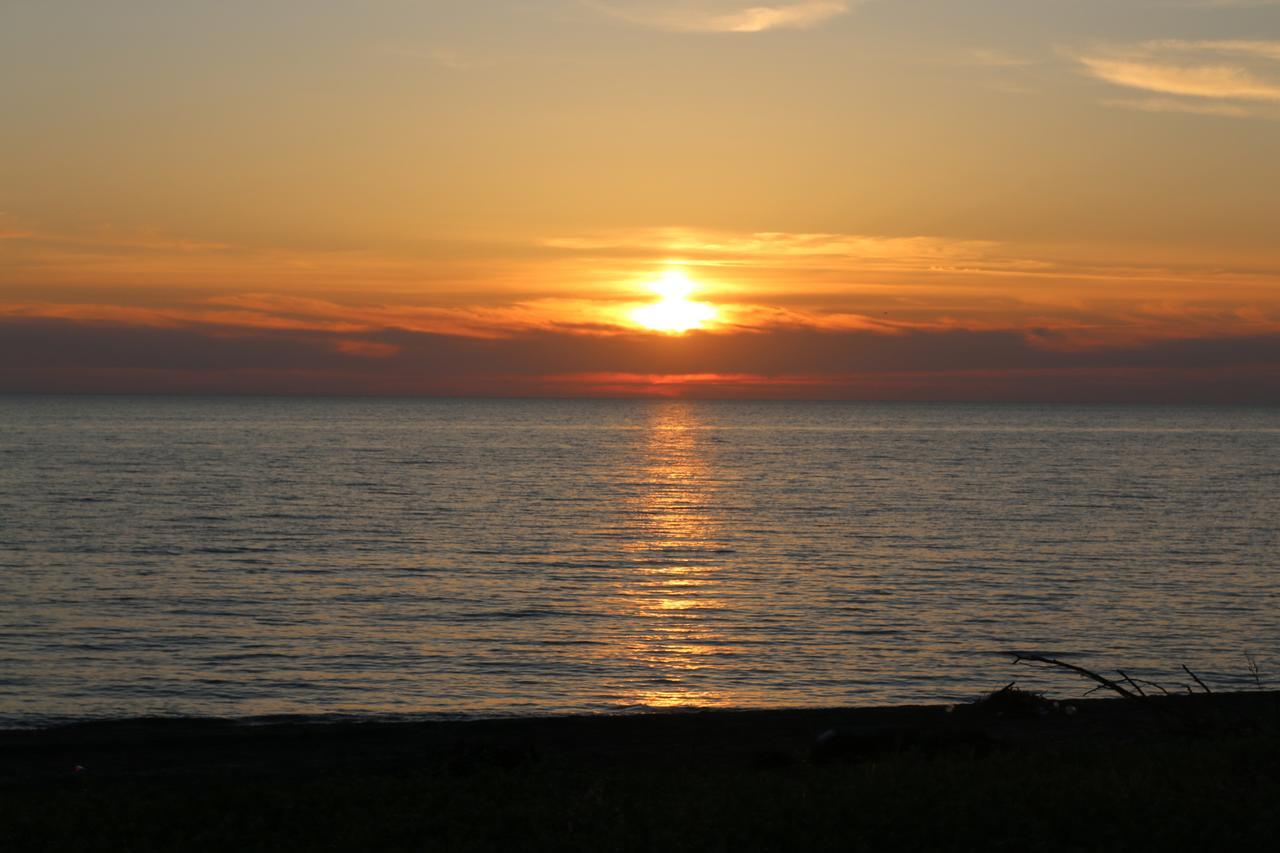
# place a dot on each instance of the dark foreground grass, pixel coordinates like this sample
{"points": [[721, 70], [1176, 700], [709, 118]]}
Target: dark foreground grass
{"points": [[1218, 793]]}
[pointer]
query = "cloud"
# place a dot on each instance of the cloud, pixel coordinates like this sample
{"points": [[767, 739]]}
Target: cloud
{"points": [[1200, 81], [1264, 49], [588, 284], [725, 247], [448, 58], [1231, 4], [986, 58], [10, 229], [722, 17], [366, 349], [1242, 75], [57, 355], [1173, 105]]}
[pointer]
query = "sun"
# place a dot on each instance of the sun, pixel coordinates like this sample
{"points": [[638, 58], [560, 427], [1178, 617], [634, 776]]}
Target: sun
{"points": [[675, 313]]}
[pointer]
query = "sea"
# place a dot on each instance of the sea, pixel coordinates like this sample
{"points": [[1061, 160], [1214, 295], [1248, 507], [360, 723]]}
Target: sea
{"points": [[455, 558]]}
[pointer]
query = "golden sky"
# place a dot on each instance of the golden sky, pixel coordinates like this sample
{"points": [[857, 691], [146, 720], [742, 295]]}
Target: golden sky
{"points": [[887, 199]]}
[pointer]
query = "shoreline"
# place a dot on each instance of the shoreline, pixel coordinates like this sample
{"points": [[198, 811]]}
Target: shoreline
{"points": [[1010, 772], [160, 746]]}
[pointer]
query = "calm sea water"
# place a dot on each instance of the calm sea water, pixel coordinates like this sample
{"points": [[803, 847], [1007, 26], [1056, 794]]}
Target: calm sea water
{"points": [[474, 557]]}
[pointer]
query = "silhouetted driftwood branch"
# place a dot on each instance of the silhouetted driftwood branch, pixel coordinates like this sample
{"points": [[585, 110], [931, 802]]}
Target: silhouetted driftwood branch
{"points": [[1102, 680], [1203, 686], [1132, 683], [1157, 685]]}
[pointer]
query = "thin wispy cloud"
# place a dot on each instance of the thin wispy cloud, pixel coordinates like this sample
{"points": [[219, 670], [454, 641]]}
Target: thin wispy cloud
{"points": [[1247, 47], [1232, 4], [986, 58], [1225, 77], [1201, 81], [448, 58], [1174, 105], [733, 17], [727, 245]]}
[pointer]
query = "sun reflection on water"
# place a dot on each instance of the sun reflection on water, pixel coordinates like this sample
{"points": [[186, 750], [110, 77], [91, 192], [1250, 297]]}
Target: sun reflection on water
{"points": [[672, 586]]}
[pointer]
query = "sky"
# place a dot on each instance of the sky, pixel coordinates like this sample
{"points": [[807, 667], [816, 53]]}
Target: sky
{"points": [[1023, 200]]}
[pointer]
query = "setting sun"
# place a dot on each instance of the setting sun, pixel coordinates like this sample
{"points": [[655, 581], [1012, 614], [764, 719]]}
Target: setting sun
{"points": [[675, 313]]}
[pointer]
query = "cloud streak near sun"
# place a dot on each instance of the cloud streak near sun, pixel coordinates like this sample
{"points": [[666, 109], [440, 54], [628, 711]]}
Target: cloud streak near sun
{"points": [[734, 17]]}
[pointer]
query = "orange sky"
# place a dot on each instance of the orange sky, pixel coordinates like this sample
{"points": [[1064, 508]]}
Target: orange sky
{"points": [[892, 199]]}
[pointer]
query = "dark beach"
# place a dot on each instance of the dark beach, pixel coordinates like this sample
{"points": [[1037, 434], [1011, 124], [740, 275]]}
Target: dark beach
{"points": [[1014, 772]]}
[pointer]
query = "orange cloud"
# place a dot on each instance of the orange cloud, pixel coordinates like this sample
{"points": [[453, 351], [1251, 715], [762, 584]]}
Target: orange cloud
{"points": [[366, 349], [710, 16], [57, 354], [591, 284]]}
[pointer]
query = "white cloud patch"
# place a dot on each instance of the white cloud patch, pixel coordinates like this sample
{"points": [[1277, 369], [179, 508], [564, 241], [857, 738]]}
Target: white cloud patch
{"points": [[1238, 78], [709, 16]]}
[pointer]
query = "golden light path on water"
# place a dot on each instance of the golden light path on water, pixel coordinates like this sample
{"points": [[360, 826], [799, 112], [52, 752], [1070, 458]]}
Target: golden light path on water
{"points": [[677, 563]]}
